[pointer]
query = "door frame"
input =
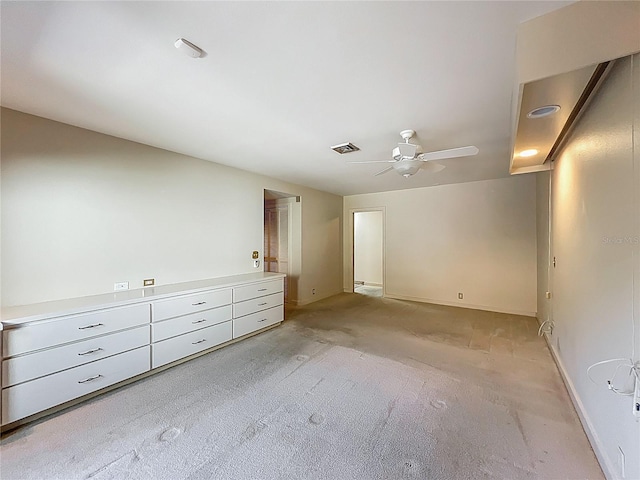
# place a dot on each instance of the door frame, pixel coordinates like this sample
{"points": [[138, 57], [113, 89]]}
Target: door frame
{"points": [[351, 247]]}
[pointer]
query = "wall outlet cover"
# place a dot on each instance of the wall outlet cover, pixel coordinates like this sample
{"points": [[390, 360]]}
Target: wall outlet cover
{"points": [[121, 286], [147, 282], [255, 254]]}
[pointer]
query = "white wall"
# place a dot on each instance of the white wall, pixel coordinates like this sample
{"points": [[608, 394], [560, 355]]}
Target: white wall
{"points": [[595, 228], [368, 233], [543, 241], [82, 210], [476, 238]]}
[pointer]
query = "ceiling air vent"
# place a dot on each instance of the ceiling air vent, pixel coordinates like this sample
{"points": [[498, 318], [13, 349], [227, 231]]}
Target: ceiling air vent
{"points": [[345, 148]]}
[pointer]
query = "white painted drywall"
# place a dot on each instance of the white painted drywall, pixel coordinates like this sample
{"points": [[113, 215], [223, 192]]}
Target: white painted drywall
{"points": [[83, 210], [477, 238], [367, 247], [596, 241], [543, 240]]}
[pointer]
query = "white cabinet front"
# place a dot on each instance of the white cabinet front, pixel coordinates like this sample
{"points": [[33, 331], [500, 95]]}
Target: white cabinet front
{"points": [[188, 323], [72, 328], [27, 367], [257, 304], [28, 398], [182, 346], [247, 292], [186, 304], [250, 323]]}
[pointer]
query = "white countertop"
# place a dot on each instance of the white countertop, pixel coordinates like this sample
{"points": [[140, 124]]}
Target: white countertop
{"points": [[13, 317]]}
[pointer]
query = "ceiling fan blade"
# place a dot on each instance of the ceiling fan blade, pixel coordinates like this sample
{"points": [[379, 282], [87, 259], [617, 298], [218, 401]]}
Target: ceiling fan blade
{"points": [[450, 153], [407, 150], [433, 167], [383, 171], [375, 161]]}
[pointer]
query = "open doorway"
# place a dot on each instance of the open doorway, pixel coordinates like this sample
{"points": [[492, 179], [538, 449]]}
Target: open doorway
{"points": [[368, 253], [281, 243]]}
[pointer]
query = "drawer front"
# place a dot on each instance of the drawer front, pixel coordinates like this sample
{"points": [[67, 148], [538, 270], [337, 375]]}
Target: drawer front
{"points": [[247, 292], [257, 304], [28, 398], [45, 362], [182, 346], [73, 328], [188, 323], [186, 304], [256, 321]]}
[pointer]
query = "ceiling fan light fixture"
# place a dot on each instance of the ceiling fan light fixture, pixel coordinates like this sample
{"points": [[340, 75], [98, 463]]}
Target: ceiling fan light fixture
{"points": [[531, 152], [544, 111]]}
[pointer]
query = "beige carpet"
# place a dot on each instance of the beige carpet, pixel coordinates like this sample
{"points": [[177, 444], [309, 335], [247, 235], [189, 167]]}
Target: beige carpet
{"points": [[353, 387]]}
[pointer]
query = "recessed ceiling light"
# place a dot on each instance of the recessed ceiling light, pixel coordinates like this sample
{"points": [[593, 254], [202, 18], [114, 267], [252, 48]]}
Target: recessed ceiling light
{"points": [[543, 111], [345, 148], [188, 48], [528, 153]]}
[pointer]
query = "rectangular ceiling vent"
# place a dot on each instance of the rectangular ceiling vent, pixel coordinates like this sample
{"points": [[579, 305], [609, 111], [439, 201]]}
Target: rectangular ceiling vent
{"points": [[345, 148]]}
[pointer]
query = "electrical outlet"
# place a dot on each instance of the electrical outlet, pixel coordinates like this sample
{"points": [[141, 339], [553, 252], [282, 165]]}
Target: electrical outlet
{"points": [[256, 263], [636, 390], [147, 282], [313, 291], [121, 286], [460, 296], [548, 294]]}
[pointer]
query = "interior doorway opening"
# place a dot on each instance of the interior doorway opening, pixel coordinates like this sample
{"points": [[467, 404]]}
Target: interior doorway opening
{"points": [[368, 253], [281, 238]]}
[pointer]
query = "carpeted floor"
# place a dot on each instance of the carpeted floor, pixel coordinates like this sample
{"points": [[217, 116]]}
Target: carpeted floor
{"points": [[352, 387]]}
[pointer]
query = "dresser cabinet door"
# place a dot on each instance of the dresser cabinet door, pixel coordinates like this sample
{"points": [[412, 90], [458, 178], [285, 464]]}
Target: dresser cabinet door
{"points": [[255, 290], [186, 304], [72, 328], [250, 323], [182, 346], [28, 367], [28, 398]]}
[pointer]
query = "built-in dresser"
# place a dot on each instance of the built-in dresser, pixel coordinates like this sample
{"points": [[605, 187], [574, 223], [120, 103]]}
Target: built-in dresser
{"points": [[57, 352]]}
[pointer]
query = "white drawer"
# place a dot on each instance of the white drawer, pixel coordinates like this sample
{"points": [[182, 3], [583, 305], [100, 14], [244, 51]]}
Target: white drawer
{"points": [[28, 398], [45, 362], [256, 321], [73, 328], [186, 304], [255, 290], [182, 346], [257, 304], [188, 323]]}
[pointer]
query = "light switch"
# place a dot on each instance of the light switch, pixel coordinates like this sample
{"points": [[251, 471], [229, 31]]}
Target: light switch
{"points": [[255, 254]]}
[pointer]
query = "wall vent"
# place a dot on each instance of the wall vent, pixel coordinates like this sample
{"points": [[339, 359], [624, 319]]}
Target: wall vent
{"points": [[345, 148]]}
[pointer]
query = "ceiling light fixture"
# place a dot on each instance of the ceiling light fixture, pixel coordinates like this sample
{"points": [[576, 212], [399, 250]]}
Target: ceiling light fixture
{"points": [[543, 111], [528, 153], [188, 48]]}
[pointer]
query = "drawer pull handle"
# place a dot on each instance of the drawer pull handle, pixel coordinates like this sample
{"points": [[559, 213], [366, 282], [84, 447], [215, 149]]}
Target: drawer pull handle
{"points": [[199, 321], [262, 304], [90, 351], [91, 326], [199, 341], [198, 303], [263, 320], [262, 290], [90, 379]]}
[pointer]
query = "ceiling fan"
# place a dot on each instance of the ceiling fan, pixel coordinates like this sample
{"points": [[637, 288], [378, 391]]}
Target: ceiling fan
{"points": [[408, 158]]}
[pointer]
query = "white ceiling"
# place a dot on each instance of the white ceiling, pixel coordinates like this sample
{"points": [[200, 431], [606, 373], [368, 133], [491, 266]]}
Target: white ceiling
{"points": [[281, 82]]}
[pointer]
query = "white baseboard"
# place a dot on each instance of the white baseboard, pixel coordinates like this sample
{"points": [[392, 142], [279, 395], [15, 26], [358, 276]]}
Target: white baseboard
{"points": [[605, 463], [315, 298], [460, 304]]}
